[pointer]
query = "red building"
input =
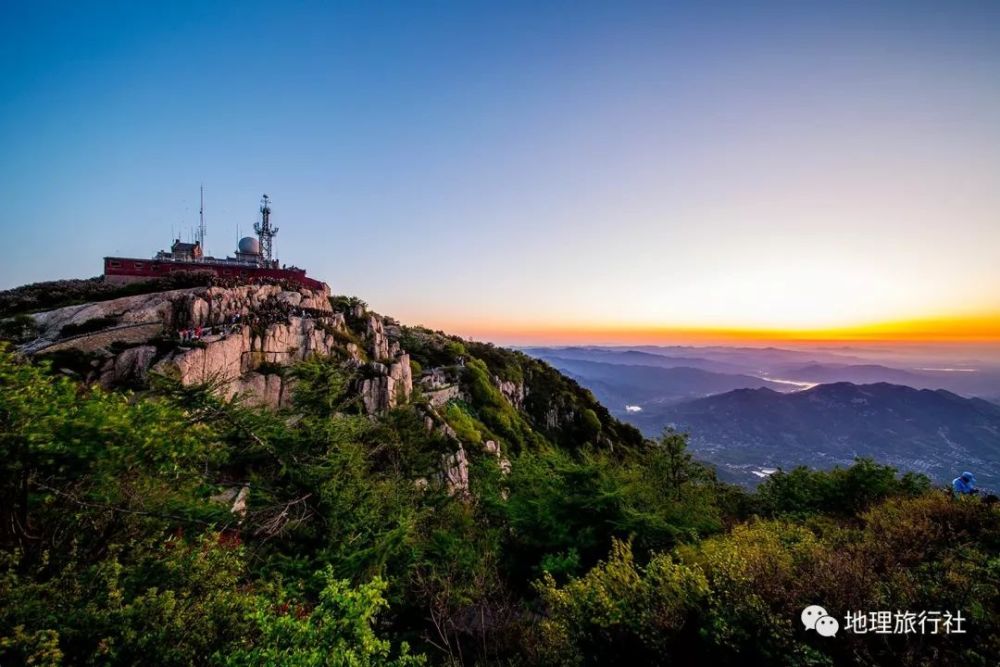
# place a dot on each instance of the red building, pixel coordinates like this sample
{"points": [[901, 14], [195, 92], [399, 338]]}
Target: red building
{"points": [[252, 260], [129, 269]]}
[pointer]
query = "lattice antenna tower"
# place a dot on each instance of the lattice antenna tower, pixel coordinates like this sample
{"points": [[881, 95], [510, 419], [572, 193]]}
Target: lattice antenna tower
{"points": [[265, 232]]}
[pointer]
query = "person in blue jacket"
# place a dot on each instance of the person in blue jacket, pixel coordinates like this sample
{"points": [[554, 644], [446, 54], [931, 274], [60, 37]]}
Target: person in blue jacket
{"points": [[964, 484]]}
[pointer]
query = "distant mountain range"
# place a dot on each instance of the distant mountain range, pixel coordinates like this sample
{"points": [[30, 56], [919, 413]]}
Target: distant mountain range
{"points": [[970, 378], [635, 358], [931, 431], [857, 373], [750, 410], [618, 385], [968, 382]]}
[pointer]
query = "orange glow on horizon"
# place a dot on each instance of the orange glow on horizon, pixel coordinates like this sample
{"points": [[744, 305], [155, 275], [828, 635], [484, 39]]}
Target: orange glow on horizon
{"points": [[963, 329]]}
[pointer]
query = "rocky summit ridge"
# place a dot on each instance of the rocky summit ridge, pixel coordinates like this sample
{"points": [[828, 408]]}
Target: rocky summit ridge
{"points": [[246, 333], [243, 341]]}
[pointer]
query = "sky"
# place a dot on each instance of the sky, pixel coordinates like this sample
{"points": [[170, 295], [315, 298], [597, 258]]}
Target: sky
{"points": [[531, 172]]}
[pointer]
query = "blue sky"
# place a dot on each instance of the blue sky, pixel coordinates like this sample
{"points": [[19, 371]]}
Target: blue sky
{"points": [[500, 169]]}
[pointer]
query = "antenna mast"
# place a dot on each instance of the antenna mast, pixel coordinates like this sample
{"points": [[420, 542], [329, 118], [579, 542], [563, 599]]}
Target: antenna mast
{"points": [[265, 232], [201, 220]]}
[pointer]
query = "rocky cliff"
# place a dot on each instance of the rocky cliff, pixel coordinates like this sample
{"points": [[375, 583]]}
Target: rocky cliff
{"points": [[476, 401], [238, 338]]}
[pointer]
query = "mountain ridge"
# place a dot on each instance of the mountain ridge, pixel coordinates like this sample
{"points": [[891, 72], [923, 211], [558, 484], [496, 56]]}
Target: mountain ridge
{"points": [[245, 341], [933, 431], [621, 384]]}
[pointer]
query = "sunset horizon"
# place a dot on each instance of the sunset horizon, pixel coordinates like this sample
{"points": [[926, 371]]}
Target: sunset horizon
{"points": [[983, 331]]}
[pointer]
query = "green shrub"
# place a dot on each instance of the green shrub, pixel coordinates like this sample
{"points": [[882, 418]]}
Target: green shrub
{"points": [[18, 329], [336, 631], [844, 491], [466, 426], [623, 613]]}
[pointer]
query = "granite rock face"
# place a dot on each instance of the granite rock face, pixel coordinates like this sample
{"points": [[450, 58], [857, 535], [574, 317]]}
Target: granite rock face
{"points": [[455, 468], [266, 390], [245, 333], [513, 391], [232, 359], [242, 329], [223, 359], [132, 365], [388, 386], [492, 448], [173, 309], [157, 308], [379, 341]]}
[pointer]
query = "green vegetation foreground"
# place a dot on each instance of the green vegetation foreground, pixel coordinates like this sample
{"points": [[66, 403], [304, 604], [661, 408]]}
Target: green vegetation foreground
{"points": [[113, 550]]}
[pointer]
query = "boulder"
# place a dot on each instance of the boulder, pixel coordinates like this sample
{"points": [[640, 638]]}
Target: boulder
{"points": [[387, 386], [221, 359], [379, 341], [492, 447], [291, 298], [455, 469], [513, 391], [236, 497], [265, 390], [131, 365], [440, 397], [402, 373]]}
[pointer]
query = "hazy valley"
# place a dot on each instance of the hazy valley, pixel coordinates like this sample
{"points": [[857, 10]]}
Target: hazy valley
{"points": [[750, 411]]}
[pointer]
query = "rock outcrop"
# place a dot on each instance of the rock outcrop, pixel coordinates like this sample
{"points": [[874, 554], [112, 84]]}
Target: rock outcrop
{"points": [[456, 472], [212, 306], [242, 329], [247, 332], [379, 341], [131, 366], [388, 386], [236, 498], [155, 309], [230, 359], [513, 391], [440, 387], [173, 309], [267, 390], [492, 448]]}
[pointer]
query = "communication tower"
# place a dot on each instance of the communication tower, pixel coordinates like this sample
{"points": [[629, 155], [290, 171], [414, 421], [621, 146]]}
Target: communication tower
{"points": [[265, 233]]}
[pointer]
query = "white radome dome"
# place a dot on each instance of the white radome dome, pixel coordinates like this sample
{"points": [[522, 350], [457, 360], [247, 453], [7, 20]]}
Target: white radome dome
{"points": [[249, 245]]}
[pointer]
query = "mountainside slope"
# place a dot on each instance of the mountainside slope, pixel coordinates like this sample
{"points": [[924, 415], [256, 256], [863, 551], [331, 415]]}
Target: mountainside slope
{"points": [[245, 341]]}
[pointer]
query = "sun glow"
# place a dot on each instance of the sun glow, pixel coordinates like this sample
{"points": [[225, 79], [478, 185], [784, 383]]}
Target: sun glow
{"points": [[967, 329]]}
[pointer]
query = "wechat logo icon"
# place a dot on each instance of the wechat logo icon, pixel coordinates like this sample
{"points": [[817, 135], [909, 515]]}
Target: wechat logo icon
{"points": [[815, 618]]}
